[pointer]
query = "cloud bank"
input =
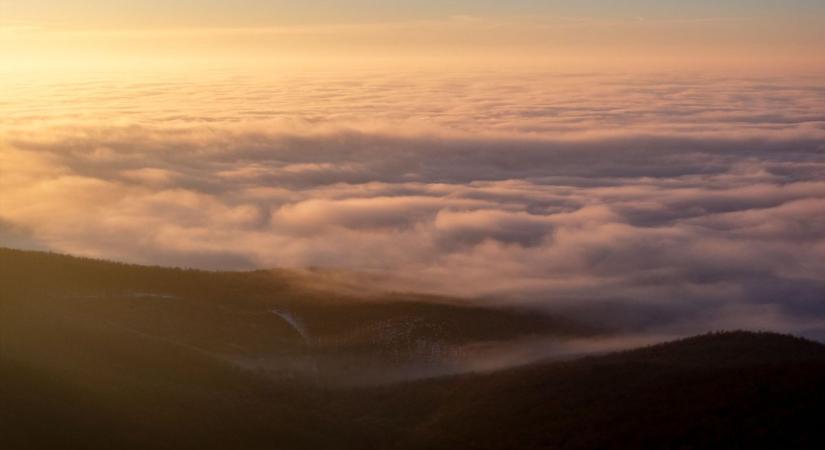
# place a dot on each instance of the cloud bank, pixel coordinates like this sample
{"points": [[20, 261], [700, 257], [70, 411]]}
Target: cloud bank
{"points": [[652, 201]]}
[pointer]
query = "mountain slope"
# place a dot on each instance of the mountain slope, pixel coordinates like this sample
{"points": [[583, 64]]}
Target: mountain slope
{"points": [[274, 321], [728, 390], [97, 355]]}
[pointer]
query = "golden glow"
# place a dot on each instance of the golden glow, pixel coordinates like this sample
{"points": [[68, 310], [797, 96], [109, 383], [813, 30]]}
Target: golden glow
{"points": [[504, 44], [147, 134]]}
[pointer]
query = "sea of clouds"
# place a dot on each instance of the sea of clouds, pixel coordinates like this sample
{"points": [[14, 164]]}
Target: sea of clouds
{"points": [[658, 200]]}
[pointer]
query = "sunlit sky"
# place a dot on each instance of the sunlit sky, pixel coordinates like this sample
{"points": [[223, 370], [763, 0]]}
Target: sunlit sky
{"points": [[578, 34]]}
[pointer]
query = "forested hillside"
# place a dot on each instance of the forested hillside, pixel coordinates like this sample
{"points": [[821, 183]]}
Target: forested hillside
{"points": [[99, 355]]}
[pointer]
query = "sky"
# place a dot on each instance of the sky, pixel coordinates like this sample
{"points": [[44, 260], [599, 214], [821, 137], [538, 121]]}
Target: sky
{"points": [[620, 35], [285, 12], [655, 163]]}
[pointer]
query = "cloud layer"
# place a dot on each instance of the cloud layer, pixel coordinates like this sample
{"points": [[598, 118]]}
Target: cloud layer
{"points": [[656, 201]]}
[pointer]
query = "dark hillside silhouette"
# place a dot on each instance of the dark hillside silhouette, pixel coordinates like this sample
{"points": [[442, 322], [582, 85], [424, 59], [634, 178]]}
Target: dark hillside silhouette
{"points": [[98, 355]]}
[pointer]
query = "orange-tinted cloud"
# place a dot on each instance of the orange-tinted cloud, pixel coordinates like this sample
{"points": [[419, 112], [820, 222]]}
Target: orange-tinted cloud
{"points": [[679, 196]]}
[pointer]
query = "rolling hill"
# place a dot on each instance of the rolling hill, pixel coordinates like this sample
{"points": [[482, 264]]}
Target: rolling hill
{"points": [[96, 354]]}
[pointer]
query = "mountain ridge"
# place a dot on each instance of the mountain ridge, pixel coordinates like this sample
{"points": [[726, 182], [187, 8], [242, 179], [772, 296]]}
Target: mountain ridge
{"points": [[134, 358]]}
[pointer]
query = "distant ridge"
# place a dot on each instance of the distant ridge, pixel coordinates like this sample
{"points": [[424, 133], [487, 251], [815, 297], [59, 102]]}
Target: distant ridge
{"points": [[97, 355], [731, 348]]}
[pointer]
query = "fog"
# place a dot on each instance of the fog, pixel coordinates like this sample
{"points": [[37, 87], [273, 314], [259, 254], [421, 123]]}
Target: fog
{"points": [[648, 201]]}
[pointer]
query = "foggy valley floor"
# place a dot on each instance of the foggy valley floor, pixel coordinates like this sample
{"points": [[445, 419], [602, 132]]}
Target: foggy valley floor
{"points": [[104, 355]]}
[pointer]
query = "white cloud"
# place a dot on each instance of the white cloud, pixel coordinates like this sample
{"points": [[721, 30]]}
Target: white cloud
{"points": [[709, 198]]}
